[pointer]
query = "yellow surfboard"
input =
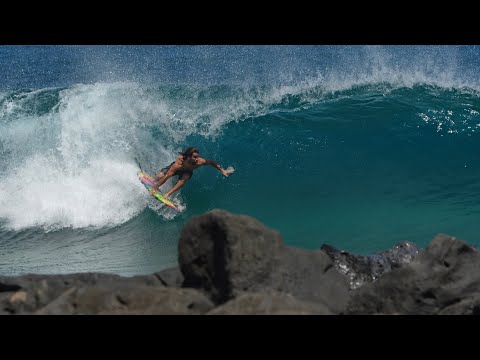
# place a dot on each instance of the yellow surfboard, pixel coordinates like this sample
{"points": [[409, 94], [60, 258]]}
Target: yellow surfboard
{"points": [[146, 180]]}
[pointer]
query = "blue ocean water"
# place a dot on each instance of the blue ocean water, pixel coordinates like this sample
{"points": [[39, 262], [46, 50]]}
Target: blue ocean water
{"points": [[359, 147]]}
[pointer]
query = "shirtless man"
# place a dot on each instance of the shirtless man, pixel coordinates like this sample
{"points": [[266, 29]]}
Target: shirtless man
{"points": [[183, 167]]}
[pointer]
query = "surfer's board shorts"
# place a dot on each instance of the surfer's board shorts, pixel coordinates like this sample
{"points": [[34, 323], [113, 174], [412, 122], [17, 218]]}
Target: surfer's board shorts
{"points": [[178, 173]]}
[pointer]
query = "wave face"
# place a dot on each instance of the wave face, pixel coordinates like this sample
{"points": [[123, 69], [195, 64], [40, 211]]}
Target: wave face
{"points": [[356, 146]]}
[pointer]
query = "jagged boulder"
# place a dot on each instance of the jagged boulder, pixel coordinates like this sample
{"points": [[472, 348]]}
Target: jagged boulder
{"points": [[442, 279], [363, 269], [171, 277], [226, 255], [269, 303], [36, 291], [128, 300]]}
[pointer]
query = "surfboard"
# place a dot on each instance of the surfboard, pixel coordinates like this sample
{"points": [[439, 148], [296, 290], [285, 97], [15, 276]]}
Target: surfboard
{"points": [[145, 179]]}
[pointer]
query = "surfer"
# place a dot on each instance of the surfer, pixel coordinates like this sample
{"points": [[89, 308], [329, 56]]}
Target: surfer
{"points": [[183, 167]]}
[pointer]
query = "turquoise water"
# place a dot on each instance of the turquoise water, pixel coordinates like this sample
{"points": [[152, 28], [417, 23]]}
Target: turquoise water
{"points": [[357, 147]]}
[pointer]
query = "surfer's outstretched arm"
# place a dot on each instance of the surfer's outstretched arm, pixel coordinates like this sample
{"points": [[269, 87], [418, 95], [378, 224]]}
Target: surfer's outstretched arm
{"points": [[218, 167]]}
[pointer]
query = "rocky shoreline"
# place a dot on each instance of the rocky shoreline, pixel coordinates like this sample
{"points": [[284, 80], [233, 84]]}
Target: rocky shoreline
{"points": [[233, 264]]}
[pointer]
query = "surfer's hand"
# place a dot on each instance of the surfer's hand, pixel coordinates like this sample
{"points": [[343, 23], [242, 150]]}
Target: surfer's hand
{"points": [[228, 171]]}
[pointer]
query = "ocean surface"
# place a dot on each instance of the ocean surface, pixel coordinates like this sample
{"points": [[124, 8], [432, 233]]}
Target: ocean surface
{"points": [[359, 147]]}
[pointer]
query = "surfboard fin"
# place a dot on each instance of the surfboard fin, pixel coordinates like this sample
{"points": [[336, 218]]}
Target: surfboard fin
{"points": [[138, 163]]}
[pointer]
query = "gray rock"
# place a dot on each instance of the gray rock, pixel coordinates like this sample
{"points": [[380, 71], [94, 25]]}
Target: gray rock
{"points": [[269, 303], [170, 277], [40, 290], [9, 287], [362, 269], [226, 255], [443, 279], [128, 300], [310, 275]]}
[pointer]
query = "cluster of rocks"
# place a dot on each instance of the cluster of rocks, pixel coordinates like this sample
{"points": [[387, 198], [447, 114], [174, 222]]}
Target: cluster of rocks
{"points": [[233, 264]]}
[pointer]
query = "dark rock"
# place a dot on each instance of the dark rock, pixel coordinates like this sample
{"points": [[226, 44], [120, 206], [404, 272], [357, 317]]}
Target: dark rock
{"points": [[9, 287], [170, 277], [443, 279], [310, 275], [269, 303], [40, 290], [223, 253], [128, 300], [362, 269], [226, 255]]}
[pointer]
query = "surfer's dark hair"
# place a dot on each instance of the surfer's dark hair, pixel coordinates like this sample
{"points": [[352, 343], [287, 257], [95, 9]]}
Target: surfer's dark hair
{"points": [[189, 152]]}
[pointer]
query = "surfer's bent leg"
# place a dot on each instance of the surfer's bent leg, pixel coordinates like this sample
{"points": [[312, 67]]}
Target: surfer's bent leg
{"points": [[178, 185], [162, 173], [159, 176]]}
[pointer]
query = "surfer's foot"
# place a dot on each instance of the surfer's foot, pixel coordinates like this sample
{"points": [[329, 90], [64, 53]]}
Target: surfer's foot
{"points": [[166, 196]]}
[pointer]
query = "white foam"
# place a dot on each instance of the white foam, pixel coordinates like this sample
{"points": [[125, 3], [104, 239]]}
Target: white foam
{"points": [[104, 193], [74, 167]]}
